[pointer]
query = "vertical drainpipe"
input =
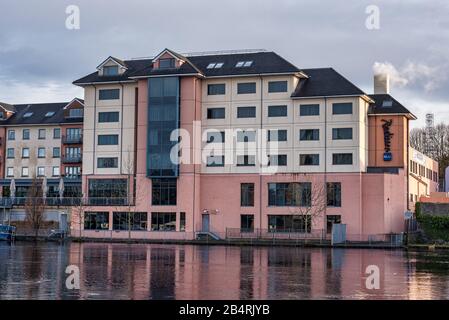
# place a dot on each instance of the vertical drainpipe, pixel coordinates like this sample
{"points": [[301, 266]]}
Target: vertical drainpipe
{"points": [[406, 168], [325, 162], [260, 165], [194, 156], [121, 133], [94, 131]]}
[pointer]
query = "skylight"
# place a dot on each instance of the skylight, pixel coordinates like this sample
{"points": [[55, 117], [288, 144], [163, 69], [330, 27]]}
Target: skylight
{"points": [[28, 114], [49, 114], [242, 64], [387, 104], [215, 65]]}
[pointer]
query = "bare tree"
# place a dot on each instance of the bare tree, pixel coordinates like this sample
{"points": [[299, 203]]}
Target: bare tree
{"points": [[434, 143], [311, 199], [34, 207]]}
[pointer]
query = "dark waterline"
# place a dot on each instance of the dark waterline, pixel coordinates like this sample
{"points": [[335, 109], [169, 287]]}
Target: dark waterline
{"points": [[121, 271]]}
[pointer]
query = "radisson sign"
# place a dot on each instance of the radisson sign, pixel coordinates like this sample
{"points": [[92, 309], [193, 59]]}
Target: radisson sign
{"points": [[388, 156]]}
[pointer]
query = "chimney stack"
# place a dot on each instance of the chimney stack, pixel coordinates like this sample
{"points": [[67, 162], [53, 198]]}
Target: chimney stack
{"points": [[382, 83]]}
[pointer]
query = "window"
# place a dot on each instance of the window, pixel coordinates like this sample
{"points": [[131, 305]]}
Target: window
{"points": [[77, 112], [40, 171], [108, 191], [334, 194], [28, 115], [216, 137], [215, 161], [108, 140], [246, 161], [135, 221], [247, 223], [10, 153], [247, 194], [50, 114], [277, 160], [341, 158], [108, 117], [246, 112], [289, 223], [166, 63], [309, 134], [309, 159], [25, 172], [11, 135], [182, 221], [72, 172], [107, 162], [215, 65], [277, 135], [216, 89], [55, 172], [163, 221], [246, 136], [277, 86], [289, 194], [25, 153], [42, 134], [277, 111], [26, 134], [246, 87], [342, 133], [96, 221], [342, 108], [56, 152], [243, 64], [309, 110], [10, 172], [41, 152], [163, 192], [110, 70], [56, 133], [216, 113], [109, 94], [330, 221], [73, 152]]}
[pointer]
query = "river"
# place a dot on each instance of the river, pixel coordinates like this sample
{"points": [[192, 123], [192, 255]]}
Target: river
{"points": [[156, 271]]}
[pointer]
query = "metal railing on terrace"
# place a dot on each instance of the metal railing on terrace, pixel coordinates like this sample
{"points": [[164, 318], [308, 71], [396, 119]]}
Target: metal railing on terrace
{"points": [[72, 158], [6, 202], [72, 139], [293, 234]]}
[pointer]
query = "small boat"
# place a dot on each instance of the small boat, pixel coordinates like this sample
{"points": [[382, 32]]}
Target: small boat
{"points": [[7, 233]]}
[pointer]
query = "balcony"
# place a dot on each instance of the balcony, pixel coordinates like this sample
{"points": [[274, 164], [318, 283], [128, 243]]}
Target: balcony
{"points": [[72, 139], [72, 158]]}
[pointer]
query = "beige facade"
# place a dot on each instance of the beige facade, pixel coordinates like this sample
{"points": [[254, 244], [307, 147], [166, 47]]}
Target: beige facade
{"points": [[293, 123], [32, 157], [124, 128], [423, 176]]}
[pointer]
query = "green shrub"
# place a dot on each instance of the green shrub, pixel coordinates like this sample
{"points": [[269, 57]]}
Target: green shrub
{"points": [[435, 227]]}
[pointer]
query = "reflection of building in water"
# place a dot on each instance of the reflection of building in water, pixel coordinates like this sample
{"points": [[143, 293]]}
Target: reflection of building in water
{"points": [[200, 272]]}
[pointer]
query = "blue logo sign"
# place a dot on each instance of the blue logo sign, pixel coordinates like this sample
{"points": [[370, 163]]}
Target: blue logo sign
{"points": [[388, 156]]}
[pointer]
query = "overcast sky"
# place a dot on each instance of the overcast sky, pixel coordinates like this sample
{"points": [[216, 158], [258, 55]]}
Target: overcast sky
{"points": [[40, 57]]}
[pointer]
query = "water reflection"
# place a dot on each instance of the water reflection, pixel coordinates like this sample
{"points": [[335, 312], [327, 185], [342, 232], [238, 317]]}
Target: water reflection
{"points": [[121, 271]]}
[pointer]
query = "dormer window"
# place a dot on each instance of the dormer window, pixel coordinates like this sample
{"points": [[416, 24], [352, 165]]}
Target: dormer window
{"points": [[166, 63], [110, 70], [75, 113]]}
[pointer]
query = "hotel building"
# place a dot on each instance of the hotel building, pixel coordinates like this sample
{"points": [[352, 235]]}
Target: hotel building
{"points": [[229, 107], [36, 142]]}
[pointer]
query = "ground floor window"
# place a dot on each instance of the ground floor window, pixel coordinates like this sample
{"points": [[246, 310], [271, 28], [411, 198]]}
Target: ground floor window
{"points": [[108, 191], [96, 221], [289, 223], [163, 221], [136, 221], [247, 222], [330, 220]]}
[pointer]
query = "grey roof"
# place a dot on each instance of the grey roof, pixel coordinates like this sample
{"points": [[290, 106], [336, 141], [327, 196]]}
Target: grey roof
{"points": [[324, 82], [39, 111], [386, 104], [262, 63]]}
